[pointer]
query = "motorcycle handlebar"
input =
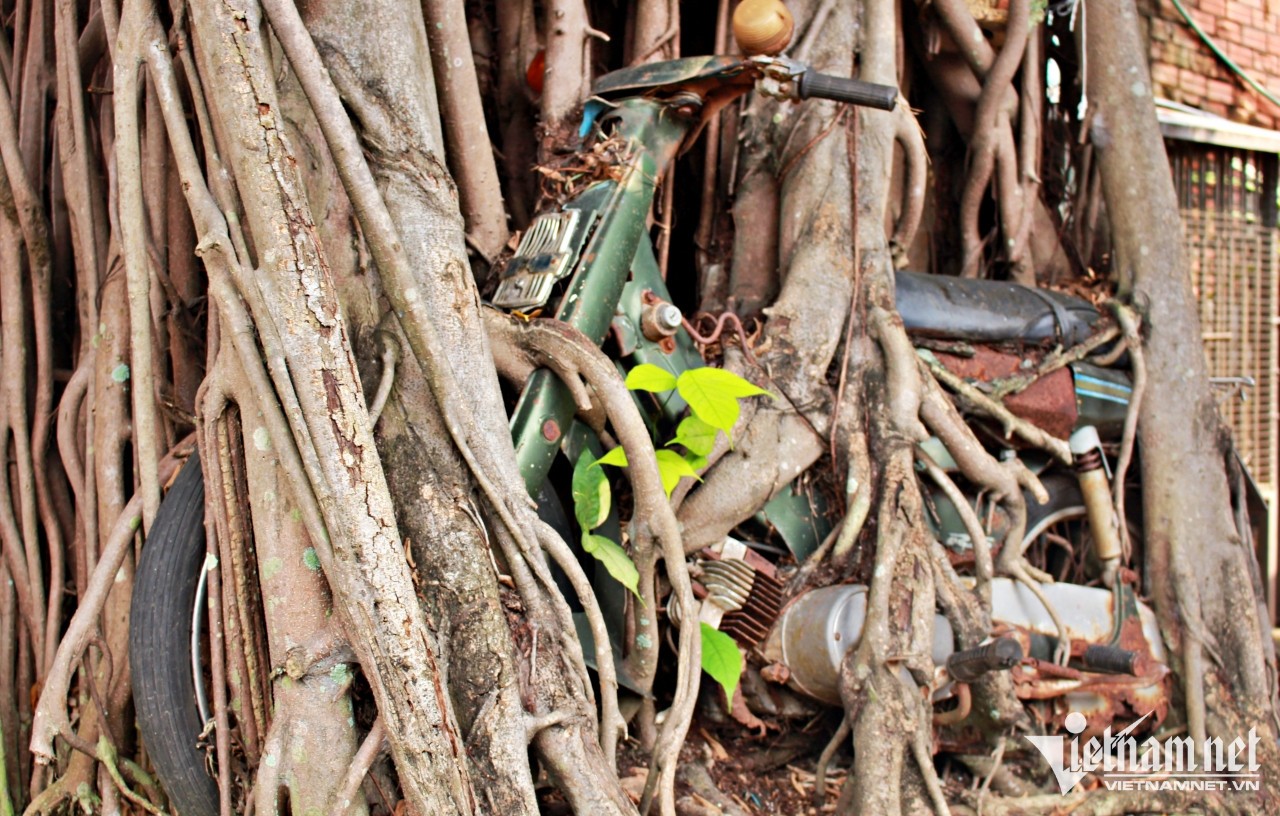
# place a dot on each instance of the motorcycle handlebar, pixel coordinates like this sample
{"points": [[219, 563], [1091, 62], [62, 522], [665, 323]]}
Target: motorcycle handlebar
{"points": [[843, 89]]}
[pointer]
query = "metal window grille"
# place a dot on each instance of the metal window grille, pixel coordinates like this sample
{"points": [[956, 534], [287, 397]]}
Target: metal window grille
{"points": [[1227, 198], [1228, 202]]}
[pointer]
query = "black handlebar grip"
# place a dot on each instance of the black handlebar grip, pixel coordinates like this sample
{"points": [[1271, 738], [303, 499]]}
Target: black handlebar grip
{"points": [[969, 665], [1111, 659], [843, 89]]}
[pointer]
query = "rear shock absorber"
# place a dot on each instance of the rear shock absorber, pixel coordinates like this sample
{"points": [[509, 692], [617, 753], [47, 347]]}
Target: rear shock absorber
{"points": [[1095, 487]]}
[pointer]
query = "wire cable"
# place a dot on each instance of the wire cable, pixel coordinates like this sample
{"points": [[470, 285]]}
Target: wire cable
{"points": [[1220, 54]]}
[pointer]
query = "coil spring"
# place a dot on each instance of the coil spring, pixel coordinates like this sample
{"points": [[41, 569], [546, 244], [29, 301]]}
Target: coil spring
{"points": [[1091, 460]]}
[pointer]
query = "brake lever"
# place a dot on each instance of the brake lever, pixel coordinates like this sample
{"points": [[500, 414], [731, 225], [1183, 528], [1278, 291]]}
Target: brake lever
{"points": [[779, 77]]}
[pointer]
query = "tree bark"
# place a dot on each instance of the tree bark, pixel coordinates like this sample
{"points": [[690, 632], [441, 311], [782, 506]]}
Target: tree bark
{"points": [[470, 154], [1190, 536], [396, 649]]}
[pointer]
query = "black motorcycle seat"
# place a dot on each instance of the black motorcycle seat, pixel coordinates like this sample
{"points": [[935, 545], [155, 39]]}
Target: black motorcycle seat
{"points": [[984, 311]]}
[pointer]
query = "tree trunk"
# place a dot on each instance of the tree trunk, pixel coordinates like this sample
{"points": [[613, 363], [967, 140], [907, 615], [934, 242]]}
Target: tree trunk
{"points": [[367, 570], [1198, 567], [470, 154]]}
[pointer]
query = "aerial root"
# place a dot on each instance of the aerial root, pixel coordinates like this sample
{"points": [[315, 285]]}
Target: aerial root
{"points": [[918, 406], [612, 726], [107, 756], [1130, 324], [390, 355], [824, 761], [568, 353], [374, 745]]}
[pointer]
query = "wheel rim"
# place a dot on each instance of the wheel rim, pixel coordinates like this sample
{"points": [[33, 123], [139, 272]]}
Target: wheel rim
{"points": [[197, 626]]}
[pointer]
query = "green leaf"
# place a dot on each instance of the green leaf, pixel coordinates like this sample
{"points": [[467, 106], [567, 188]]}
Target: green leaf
{"points": [[616, 457], [648, 377], [590, 492], [695, 462], [723, 382], [721, 659], [716, 410], [672, 467], [713, 395], [615, 559], [697, 436]]}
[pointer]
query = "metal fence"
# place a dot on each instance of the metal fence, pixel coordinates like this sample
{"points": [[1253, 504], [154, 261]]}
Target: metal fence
{"points": [[1233, 268], [1228, 203]]}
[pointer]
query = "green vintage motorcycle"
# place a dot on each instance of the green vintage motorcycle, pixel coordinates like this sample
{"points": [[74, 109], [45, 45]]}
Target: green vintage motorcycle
{"points": [[592, 261]]}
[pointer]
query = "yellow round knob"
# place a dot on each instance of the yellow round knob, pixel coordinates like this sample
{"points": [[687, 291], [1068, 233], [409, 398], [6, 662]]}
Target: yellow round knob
{"points": [[762, 27]]}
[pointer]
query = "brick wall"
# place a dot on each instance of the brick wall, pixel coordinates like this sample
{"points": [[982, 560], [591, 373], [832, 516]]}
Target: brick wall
{"points": [[1183, 69]]}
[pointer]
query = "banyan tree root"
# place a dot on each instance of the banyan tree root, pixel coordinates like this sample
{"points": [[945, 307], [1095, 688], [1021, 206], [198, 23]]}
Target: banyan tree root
{"points": [[416, 299], [134, 357], [902, 405], [51, 714], [657, 534], [987, 108]]}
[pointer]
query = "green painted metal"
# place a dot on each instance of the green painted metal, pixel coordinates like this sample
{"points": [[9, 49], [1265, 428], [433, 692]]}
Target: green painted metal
{"points": [[647, 277], [802, 519], [947, 526], [615, 269], [670, 73], [652, 134]]}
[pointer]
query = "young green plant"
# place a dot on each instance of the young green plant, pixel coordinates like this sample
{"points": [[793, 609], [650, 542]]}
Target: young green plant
{"points": [[712, 395]]}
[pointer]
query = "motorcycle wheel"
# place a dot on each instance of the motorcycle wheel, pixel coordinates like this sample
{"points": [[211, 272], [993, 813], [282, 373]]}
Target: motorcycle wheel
{"points": [[163, 616], [1062, 526], [160, 645], [1065, 506]]}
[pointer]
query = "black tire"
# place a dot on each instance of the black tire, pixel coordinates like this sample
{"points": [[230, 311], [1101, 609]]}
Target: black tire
{"points": [[160, 645]]}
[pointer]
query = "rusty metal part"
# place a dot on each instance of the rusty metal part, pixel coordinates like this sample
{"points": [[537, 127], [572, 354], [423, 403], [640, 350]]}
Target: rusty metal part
{"points": [[1034, 667], [551, 430], [750, 624], [660, 320], [1114, 620], [757, 561], [1053, 691], [1049, 403], [814, 631], [743, 584], [964, 704], [730, 318]]}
